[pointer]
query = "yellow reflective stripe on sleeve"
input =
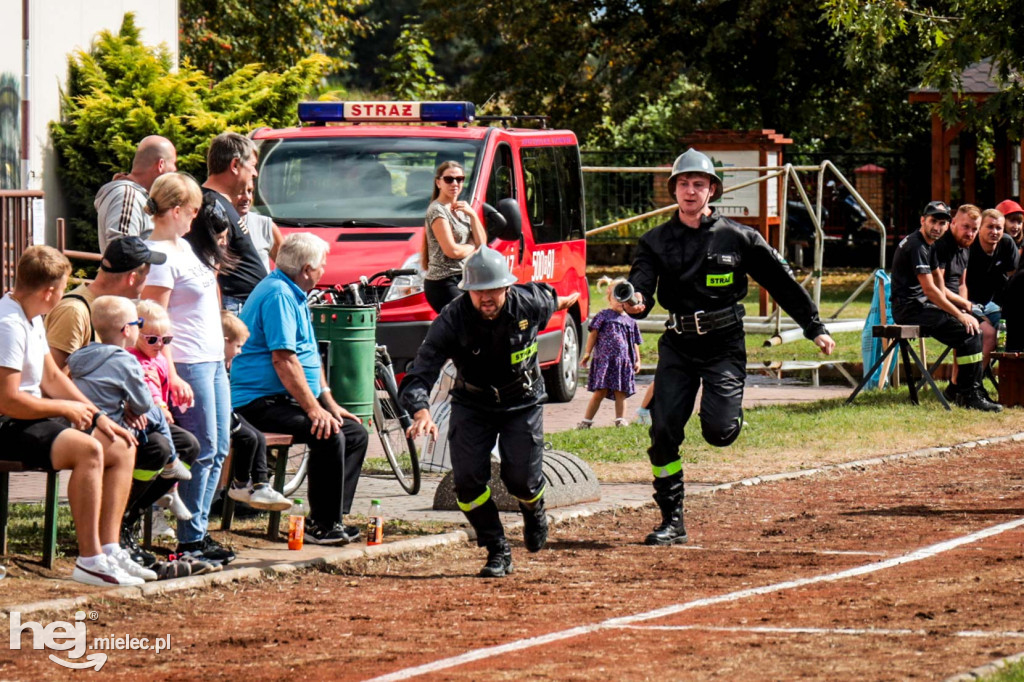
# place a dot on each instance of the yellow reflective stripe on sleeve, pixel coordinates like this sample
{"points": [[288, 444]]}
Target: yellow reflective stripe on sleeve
{"points": [[143, 475], [524, 354], [668, 470], [968, 359], [470, 506], [535, 497]]}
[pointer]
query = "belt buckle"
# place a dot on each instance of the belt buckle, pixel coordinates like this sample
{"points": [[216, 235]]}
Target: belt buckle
{"points": [[696, 323], [674, 323]]}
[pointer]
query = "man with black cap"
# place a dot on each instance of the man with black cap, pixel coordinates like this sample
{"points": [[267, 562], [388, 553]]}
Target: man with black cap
{"points": [[490, 334], [698, 262], [917, 300], [122, 272]]}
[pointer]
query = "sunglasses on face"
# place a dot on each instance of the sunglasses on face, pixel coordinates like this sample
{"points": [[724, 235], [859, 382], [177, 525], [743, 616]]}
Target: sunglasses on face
{"points": [[152, 340], [449, 179], [133, 323]]}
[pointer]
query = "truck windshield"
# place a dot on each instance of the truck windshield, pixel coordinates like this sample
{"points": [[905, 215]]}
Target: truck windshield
{"points": [[356, 181]]}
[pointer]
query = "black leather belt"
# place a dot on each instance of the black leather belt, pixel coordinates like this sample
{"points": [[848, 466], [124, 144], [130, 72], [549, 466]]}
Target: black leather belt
{"points": [[702, 322], [509, 393]]}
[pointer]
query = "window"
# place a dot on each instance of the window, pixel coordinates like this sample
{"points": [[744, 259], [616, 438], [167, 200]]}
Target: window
{"points": [[501, 184], [554, 193]]}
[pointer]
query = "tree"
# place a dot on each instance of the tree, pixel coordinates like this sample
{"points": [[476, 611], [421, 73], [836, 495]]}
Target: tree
{"points": [[222, 36], [121, 90], [950, 36], [410, 73]]}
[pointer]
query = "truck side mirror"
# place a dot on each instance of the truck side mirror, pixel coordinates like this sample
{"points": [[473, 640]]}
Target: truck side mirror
{"points": [[505, 222]]}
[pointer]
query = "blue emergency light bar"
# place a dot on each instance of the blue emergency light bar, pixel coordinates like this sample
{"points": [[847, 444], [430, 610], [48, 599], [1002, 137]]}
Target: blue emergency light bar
{"points": [[356, 112]]}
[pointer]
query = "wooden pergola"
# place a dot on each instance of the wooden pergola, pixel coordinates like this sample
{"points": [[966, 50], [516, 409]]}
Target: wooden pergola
{"points": [[978, 84]]}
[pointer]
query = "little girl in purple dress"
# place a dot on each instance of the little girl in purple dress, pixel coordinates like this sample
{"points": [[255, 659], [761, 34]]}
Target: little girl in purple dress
{"points": [[615, 342]]}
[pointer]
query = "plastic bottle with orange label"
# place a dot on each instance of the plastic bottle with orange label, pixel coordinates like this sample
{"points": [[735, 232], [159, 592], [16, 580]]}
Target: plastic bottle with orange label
{"points": [[375, 524], [296, 525]]}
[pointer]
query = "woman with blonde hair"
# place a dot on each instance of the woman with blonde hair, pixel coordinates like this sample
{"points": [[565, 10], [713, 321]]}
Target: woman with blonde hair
{"points": [[187, 288], [453, 232]]}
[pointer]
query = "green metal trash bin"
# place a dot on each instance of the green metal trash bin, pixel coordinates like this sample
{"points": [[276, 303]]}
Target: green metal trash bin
{"points": [[347, 339]]}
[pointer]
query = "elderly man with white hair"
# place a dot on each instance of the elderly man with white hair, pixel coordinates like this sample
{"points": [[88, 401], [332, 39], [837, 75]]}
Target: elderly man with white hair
{"points": [[278, 384]]}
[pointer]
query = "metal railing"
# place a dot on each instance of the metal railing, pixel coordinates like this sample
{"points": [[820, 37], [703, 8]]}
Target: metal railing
{"points": [[16, 226], [787, 172]]}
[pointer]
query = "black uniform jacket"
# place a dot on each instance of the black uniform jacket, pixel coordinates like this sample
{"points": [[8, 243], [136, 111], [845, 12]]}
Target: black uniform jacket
{"points": [[705, 269], [488, 354]]}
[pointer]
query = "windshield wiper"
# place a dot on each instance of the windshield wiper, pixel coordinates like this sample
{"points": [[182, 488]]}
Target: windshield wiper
{"points": [[312, 222], [361, 223]]}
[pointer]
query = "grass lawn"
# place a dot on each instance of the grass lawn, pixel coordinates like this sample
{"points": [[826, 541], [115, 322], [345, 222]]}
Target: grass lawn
{"points": [[787, 437], [1014, 672]]}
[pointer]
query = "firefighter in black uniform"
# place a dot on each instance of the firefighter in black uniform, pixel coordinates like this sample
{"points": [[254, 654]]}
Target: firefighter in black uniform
{"points": [[698, 263], [490, 334]]}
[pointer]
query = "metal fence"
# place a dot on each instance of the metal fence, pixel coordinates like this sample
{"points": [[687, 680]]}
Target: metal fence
{"points": [[16, 222]]}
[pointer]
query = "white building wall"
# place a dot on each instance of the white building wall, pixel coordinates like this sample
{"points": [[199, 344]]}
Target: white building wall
{"points": [[56, 29]]}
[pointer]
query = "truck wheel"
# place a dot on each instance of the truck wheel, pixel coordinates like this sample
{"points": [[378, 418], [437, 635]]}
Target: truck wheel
{"points": [[561, 379]]}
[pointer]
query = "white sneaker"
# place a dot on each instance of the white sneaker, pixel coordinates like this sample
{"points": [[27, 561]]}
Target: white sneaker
{"points": [[176, 505], [103, 573], [266, 497], [161, 529], [243, 494], [177, 470], [123, 560]]}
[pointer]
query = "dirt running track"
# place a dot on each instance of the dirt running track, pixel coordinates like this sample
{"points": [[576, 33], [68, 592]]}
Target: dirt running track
{"points": [[911, 570]]}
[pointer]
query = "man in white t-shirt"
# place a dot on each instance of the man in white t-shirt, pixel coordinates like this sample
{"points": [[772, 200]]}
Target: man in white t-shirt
{"points": [[120, 203], [38, 402]]}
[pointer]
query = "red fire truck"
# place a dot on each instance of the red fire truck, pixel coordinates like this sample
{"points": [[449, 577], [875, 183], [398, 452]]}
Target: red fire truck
{"points": [[360, 175]]}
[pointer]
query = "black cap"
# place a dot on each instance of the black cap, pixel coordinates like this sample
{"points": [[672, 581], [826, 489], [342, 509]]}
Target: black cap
{"points": [[938, 209], [128, 253]]}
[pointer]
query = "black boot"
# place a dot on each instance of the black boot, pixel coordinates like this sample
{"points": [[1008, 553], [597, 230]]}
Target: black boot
{"points": [[129, 543], [499, 560], [535, 526], [671, 531], [975, 398]]}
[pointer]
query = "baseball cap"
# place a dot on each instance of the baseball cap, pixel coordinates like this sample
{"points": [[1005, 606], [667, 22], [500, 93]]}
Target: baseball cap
{"points": [[1008, 206], [938, 209], [128, 253]]}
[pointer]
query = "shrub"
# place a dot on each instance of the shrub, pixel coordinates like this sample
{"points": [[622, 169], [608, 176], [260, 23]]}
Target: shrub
{"points": [[121, 90]]}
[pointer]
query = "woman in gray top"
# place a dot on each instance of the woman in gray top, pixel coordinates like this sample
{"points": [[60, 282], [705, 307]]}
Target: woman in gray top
{"points": [[454, 231]]}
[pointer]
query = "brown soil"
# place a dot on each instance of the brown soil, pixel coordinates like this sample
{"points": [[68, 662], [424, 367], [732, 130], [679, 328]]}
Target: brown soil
{"points": [[386, 615]]}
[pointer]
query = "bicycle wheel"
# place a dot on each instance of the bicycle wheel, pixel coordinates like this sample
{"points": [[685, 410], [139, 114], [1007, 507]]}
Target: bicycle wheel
{"points": [[295, 470], [391, 422]]}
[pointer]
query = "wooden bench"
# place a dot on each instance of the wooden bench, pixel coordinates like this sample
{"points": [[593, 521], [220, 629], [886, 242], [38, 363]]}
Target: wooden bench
{"points": [[900, 335], [50, 510], [277, 445]]}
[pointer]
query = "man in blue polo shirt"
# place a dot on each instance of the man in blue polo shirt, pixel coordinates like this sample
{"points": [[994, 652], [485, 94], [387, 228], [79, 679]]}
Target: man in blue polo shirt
{"points": [[278, 384]]}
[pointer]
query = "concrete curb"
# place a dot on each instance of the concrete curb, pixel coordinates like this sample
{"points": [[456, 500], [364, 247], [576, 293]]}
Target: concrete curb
{"points": [[421, 544]]}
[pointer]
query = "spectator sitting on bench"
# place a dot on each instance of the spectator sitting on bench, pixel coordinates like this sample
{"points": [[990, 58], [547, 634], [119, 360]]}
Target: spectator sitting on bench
{"points": [[916, 300], [950, 255], [36, 398], [993, 261], [250, 478], [113, 379], [122, 272]]}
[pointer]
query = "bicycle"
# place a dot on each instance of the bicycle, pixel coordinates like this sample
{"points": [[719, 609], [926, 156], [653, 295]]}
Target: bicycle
{"points": [[390, 420]]}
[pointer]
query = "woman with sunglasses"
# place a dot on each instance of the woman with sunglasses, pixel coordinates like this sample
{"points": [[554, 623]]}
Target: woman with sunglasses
{"points": [[186, 287], [453, 232]]}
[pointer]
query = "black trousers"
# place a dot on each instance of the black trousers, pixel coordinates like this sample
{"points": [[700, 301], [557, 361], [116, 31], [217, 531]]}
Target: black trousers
{"points": [[334, 462], [942, 326], [441, 292], [471, 436], [248, 451], [152, 456], [686, 362]]}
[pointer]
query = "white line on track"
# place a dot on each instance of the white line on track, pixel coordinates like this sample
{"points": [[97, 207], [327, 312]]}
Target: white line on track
{"points": [[827, 631], [519, 645], [749, 550]]}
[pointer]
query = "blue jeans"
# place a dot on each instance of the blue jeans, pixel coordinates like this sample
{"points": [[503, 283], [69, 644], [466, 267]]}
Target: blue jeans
{"points": [[209, 420]]}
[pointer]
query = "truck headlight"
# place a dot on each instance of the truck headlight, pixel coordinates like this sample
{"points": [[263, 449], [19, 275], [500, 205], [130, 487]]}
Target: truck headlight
{"points": [[407, 285]]}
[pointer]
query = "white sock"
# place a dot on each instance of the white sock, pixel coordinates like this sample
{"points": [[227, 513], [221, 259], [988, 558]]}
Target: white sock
{"points": [[109, 549], [88, 561]]}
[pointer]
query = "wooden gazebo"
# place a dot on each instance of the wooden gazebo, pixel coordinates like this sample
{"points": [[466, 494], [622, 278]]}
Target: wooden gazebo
{"points": [[978, 84]]}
